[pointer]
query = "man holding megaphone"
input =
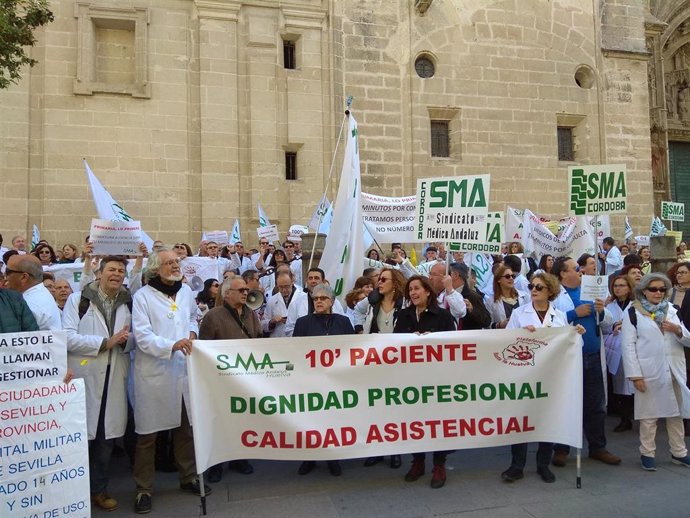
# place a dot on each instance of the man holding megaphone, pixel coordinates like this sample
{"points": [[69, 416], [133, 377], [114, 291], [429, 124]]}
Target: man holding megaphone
{"points": [[234, 319]]}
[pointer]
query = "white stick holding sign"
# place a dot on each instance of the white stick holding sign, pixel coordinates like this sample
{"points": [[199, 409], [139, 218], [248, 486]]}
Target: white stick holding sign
{"points": [[113, 237], [594, 287], [269, 232]]}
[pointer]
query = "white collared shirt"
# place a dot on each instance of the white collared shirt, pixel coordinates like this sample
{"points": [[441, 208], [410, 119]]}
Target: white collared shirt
{"points": [[44, 308]]}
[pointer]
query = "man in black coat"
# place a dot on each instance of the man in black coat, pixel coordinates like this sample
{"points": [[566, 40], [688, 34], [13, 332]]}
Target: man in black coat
{"points": [[477, 316]]}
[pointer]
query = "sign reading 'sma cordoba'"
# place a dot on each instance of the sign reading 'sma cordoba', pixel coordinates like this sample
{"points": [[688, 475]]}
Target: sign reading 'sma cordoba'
{"points": [[452, 209], [597, 189]]}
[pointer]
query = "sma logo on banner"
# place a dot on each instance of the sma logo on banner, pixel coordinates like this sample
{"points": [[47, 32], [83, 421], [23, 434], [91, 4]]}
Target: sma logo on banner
{"points": [[597, 189], [671, 211]]}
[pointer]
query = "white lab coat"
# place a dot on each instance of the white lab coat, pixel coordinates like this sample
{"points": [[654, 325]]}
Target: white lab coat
{"points": [[299, 307], [160, 376], [496, 308], [44, 308], [84, 339], [275, 307], [527, 316], [658, 358], [455, 303]]}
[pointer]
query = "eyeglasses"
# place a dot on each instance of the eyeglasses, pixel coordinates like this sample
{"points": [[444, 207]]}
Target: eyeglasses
{"points": [[44, 252], [178, 246], [215, 285], [682, 272], [263, 243], [509, 276], [289, 246], [241, 290], [384, 279], [538, 287], [321, 298], [10, 272], [656, 290]]}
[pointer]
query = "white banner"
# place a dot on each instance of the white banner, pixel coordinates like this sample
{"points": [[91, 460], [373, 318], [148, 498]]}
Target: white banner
{"points": [[220, 237], [389, 220], [515, 220], [72, 272], [44, 461], [35, 357], [332, 397], [203, 267], [113, 237], [575, 239]]}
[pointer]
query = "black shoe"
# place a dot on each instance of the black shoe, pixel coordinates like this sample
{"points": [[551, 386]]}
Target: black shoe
{"points": [[396, 461], [215, 473], [306, 467], [142, 505], [241, 466], [624, 425], [195, 488], [334, 468], [546, 474], [512, 474], [372, 461]]}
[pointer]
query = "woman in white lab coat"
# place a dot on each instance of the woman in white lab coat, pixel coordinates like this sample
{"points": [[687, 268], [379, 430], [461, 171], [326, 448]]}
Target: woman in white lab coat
{"points": [[653, 341], [544, 288]]}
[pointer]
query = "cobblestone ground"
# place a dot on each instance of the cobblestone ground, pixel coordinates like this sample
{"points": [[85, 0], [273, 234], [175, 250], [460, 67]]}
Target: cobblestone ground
{"points": [[474, 489]]}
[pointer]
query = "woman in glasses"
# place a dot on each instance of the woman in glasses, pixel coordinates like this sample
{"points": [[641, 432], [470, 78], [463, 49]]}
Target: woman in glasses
{"points": [[182, 250], [378, 313], [544, 288], [45, 254], [622, 288], [422, 316], [653, 341], [505, 298]]}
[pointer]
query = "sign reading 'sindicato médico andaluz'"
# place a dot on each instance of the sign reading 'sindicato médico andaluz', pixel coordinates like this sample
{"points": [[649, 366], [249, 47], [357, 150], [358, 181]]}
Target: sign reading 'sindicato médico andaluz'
{"points": [[597, 189], [452, 209], [672, 211], [332, 397], [495, 235]]}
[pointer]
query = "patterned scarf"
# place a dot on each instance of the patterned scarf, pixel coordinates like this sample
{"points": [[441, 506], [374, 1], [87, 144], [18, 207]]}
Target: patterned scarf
{"points": [[657, 312]]}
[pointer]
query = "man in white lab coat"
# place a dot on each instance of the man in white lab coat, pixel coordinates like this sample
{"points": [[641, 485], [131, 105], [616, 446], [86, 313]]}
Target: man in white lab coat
{"points": [[164, 324]]}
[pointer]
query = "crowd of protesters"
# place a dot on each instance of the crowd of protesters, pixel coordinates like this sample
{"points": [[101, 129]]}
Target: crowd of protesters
{"points": [[129, 330]]}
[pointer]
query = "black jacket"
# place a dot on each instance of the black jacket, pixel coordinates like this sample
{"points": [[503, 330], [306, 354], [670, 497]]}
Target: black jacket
{"points": [[479, 317], [323, 325], [432, 320]]}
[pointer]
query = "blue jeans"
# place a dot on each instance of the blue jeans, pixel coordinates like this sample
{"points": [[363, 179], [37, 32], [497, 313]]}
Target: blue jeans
{"points": [[593, 404], [519, 454], [100, 448]]}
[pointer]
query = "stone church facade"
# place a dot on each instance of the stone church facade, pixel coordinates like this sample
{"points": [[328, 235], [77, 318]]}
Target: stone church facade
{"points": [[191, 112]]}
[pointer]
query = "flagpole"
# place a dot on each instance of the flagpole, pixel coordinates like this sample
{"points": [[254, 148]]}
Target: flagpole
{"points": [[330, 175]]}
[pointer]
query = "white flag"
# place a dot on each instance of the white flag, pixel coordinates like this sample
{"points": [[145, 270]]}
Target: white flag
{"points": [[658, 228], [35, 237], [263, 219], [319, 213], [344, 249], [325, 226], [107, 207], [235, 234], [628, 228]]}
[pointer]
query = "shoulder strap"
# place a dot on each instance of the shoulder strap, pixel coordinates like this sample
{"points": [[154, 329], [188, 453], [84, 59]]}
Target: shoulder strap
{"points": [[633, 316], [83, 306]]}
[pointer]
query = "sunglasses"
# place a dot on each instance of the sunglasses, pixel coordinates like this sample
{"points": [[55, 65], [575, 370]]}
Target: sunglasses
{"points": [[215, 285], [241, 290], [509, 276], [178, 246], [656, 290], [538, 287], [10, 272], [320, 298]]}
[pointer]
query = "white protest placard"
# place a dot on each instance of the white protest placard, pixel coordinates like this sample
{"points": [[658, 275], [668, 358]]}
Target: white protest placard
{"points": [[335, 397], [452, 209], [515, 223], [597, 189], [672, 211], [389, 220], [218, 236], [269, 232], [37, 356], [495, 235], [594, 287], [202, 267], [44, 459], [642, 241], [115, 237], [575, 238]]}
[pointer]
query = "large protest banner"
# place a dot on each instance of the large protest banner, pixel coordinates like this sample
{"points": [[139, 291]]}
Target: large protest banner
{"points": [[575, 239], [334, 397], [44, 468], [515, 224]]}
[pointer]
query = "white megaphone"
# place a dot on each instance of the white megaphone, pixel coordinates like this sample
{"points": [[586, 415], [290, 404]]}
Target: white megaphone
{"points": [[196, 284], [255, 299]]}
